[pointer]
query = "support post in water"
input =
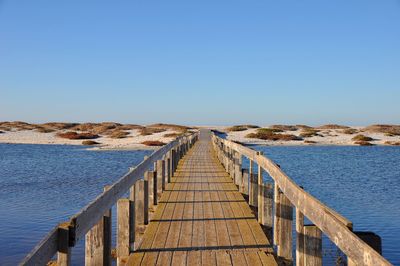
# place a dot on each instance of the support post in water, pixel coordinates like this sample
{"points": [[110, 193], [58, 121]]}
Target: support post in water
{"points": [[139, 202], [168, 169], [253, 197], [161, 175], [251, 203], [98, 241], [285, 228], [123, 231], [246, 181], [277, 209], [155, 187], [299, 238], [132, 219], [149, 177], [312, 245], [260, 201], [146, 198], [267, 202]]}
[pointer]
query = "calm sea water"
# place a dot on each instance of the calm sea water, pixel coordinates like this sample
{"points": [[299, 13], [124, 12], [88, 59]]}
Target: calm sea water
{"points": [[361, 183], [42, 185]]}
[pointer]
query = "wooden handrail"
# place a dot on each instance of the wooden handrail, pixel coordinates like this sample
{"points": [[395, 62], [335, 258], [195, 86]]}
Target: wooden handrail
{"points": [[85, 219], [332, 224]]}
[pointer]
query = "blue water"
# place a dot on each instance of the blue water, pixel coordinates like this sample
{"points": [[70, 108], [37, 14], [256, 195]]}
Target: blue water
{"points": [[361, 183], [42, 185]]}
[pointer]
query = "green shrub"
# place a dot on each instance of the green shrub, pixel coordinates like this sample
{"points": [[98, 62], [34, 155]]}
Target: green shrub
{"points": [[394, 130], [145, 131], [284, 127], [349, 131], [333, 126], [361, 138], [118, 134], [89, 142], [272, 136], [153, 143], [307, 133], [74, 135]]}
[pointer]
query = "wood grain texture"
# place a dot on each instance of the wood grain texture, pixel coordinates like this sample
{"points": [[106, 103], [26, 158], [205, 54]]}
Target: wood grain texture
{"points": [[204, 220]]}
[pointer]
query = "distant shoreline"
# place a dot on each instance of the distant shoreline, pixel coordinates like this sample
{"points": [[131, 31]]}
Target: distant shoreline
{"points": [[114, 136]]}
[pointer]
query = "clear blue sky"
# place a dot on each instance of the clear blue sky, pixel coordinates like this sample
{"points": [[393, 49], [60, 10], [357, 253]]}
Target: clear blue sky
{"points": [[201, 62]]}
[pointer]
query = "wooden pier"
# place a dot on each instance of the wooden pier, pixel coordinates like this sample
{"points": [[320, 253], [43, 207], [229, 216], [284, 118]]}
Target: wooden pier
{"points": [[202, 219], [193, 203]]}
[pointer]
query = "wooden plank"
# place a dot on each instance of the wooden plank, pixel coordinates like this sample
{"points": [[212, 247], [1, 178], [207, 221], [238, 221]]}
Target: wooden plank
{"points": [[267, 259], [223, 258], [208, 257], [194, 257], [252, 258], [238, 258]]}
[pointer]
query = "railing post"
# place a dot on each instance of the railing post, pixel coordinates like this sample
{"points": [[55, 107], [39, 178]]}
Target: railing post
{"points": [[251, 202], [246, 181], [285, 228], [146, 198], [168, 168], [277, 208], [238, 168], [161, 175], [139, 202], [155, 186], [64, 250], [98, 241], [132, 218], [149, 177], [253, 197], [267, 202], [260, 201], [123, 230], [299, 238], [312, 245]]}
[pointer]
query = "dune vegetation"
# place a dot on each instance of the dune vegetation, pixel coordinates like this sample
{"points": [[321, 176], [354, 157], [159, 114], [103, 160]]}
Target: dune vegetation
{"points": [[90, 142], [361, 138], [75, 135], [153, 143], [272, 134]]}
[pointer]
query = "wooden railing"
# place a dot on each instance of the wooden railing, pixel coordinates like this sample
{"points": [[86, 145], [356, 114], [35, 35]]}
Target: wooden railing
{"points": [[275, 205], [94, 221]]}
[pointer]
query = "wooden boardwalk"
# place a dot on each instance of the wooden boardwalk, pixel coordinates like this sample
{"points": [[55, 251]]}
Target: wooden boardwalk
{"points": [[199, 216], [202, 219]]}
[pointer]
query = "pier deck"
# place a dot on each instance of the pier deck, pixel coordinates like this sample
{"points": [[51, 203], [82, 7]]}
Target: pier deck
{"points": [[202, 219]]}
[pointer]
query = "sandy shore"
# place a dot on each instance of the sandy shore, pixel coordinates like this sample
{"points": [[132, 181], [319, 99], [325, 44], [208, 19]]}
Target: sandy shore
{"points": [[131, 142], [134, 139], [325, 137]]}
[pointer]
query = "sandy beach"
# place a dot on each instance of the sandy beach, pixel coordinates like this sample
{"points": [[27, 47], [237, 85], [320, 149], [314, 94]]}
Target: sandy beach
{"points": [[134, 138]]}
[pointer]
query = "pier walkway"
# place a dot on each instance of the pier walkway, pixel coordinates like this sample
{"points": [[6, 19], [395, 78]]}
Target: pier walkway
{"points": [[202, 218]]}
